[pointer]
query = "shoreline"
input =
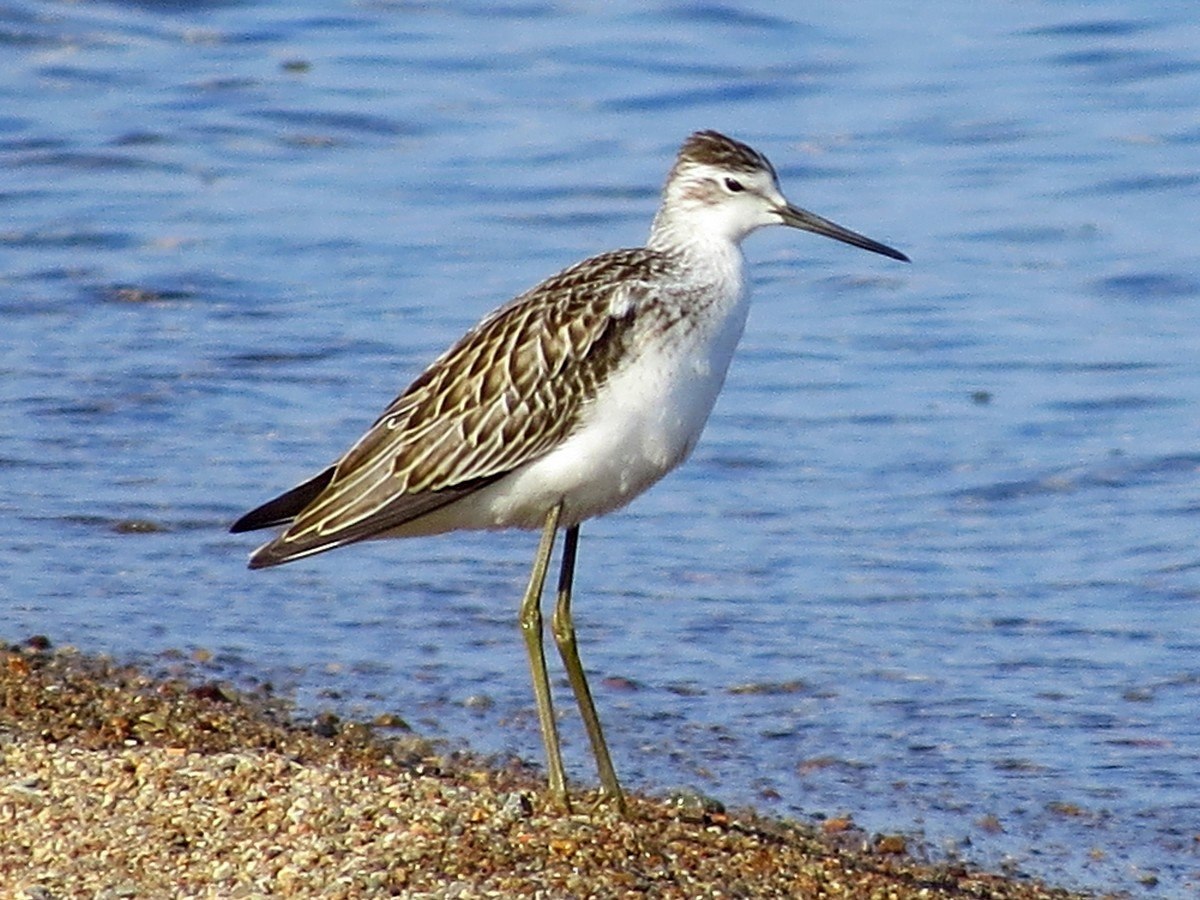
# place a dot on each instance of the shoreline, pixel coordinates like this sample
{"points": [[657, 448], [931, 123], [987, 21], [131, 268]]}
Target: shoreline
{"points": [[121, 783]]}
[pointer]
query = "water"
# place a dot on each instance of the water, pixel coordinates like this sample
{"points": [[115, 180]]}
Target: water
{"points": [[934, 563]]}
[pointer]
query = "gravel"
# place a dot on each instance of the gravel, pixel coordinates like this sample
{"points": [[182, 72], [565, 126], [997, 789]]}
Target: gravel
{"points": [[117, 784]]}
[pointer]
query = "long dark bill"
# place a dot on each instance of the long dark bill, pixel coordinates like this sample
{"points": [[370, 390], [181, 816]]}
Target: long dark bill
{"points": [[806, 221]]}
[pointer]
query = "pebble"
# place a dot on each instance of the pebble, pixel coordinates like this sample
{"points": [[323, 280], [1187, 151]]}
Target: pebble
{"points": [[115, 784]]}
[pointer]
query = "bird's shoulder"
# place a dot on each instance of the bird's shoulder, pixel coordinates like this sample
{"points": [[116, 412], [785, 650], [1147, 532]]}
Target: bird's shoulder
{"points": [[511, 388]]}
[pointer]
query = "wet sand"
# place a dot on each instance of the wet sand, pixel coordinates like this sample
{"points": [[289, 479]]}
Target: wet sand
{"points": [[118, 783]]}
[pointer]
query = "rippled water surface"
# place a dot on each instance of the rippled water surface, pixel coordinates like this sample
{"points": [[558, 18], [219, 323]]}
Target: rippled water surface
{"points": [[935, 562]]}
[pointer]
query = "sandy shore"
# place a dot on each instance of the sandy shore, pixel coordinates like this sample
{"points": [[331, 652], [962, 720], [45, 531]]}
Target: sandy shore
{"points": [[116, 784]]}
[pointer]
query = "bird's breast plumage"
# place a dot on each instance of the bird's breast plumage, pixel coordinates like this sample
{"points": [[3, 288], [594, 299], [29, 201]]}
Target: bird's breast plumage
{"points": [[646, 416]]}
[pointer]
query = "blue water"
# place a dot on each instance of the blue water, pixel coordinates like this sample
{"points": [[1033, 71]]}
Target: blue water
{"points": [[935, 562]]}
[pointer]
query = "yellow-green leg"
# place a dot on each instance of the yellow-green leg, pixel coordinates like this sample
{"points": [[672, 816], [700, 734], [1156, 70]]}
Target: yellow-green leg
{"points": [[531, 628], [564, 637]]}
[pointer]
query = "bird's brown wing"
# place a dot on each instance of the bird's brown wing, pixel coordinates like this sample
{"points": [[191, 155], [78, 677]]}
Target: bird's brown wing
{"points": [[507, 393]]}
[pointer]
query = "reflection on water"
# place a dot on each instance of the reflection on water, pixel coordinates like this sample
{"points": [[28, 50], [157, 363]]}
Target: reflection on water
{"points": [[933, 564]]}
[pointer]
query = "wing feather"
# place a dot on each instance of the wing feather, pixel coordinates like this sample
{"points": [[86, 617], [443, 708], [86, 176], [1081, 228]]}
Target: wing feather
{"points": [[508, 392]]}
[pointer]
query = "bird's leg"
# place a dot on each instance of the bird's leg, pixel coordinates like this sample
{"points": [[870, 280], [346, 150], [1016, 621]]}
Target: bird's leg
{"points": [[564, 636], [531, 628]]}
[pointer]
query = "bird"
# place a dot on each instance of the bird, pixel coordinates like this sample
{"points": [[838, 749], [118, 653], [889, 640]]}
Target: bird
{"points": [[561, 405]]}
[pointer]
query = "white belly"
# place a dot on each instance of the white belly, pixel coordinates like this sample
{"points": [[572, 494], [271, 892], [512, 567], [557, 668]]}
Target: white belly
{"points": [[644, 422], [643, 425]]}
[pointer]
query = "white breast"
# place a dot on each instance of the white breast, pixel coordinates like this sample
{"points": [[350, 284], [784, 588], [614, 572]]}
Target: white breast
{"points": [[644, 422]]}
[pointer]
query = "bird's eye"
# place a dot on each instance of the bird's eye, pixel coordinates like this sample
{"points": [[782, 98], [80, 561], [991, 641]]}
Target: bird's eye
{"points": [[733, 185]]}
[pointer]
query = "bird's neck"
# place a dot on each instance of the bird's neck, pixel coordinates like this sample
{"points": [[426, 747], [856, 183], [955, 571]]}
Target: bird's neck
{"points": [[706, 253]]}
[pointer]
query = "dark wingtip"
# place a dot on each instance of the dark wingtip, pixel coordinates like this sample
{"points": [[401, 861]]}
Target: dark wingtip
{"points": [[285, 507], [245, 523], [257, 563], [268, 555]]}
